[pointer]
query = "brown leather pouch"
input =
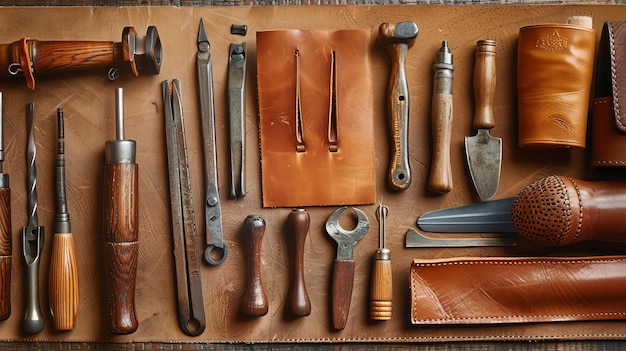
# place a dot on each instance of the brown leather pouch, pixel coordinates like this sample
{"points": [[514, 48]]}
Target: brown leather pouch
{"points": [[517, 290], [555, 69], [315, 117], [608, 124]]}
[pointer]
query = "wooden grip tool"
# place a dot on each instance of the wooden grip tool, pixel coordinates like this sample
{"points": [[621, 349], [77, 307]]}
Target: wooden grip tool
{"points": [[381, 291], [397, 39], [440, 180], [6, 243], [121, 245], [64, 293], [343, 267], [298, 302], [254, 300]]}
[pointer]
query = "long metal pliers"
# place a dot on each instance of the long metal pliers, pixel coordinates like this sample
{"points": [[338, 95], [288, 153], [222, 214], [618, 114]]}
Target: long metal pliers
{"points": [[217, 250], [188, 281]]}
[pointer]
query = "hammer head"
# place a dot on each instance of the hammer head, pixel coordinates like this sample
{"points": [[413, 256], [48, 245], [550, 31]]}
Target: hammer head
{"points": [[398, 33]]}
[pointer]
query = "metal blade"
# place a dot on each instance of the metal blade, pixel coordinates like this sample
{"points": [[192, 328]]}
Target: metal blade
{"points": [[484, 217], [415, 239], [484, 159]]}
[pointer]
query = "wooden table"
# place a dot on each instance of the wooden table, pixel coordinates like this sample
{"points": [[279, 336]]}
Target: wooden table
{"points": [[552, 345]]}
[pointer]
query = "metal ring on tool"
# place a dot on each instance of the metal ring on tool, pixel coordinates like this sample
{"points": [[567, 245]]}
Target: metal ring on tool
{"points": [[211, 250]]}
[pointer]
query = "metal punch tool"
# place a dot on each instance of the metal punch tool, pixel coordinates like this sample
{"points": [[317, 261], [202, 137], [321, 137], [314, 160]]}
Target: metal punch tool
{"points": [[191, 317], [217, 250], [237, 108]]}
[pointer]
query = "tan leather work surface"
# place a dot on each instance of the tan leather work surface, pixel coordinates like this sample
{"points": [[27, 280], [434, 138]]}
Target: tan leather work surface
{"points": [[88, 100]]}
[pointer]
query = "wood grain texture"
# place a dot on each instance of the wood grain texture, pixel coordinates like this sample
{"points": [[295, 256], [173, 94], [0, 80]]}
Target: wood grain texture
{"points": [[63, 293], [6, 253]]}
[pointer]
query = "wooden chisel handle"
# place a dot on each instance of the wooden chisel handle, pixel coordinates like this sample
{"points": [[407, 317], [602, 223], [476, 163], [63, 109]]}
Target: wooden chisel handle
{"points": [[64, 294], [254, 300], [484, 84], [298, 302], [5, 253], [343, 281], [121, 244], [397, 39]]}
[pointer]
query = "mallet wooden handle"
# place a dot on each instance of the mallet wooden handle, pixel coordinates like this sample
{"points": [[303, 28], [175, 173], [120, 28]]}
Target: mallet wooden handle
{"points": [[254, 300], [298, 302]]}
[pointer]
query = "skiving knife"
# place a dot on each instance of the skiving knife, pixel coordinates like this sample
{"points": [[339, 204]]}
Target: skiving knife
{"points": [[484, 152], [484, 217]]}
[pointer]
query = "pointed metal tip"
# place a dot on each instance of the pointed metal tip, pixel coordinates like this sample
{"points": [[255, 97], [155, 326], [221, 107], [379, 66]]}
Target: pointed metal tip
{"points": [[202, 38]]}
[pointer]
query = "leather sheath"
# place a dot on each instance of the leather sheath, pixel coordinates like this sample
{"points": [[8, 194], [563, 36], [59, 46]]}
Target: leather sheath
{"points": [[608, 126], [554, 77], [517, 290], [294, 80]]}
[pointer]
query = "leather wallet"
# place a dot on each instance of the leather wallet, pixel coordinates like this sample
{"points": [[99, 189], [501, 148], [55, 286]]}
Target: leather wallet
{"points": [[608, 126], [517, 290]]}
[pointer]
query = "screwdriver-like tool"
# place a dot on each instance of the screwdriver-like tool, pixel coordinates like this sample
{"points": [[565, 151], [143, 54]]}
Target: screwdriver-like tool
{"points": [[64, 294], [381, 292], [32, 234], [121, 245], [6, 243]]}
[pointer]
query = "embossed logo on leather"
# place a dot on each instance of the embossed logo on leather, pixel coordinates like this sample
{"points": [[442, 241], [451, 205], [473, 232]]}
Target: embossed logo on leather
{"points": [[553, 42]]}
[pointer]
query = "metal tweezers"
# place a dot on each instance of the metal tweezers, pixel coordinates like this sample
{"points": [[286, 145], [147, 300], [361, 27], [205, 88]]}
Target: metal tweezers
{"points": [[188, 281], [216, 250]]}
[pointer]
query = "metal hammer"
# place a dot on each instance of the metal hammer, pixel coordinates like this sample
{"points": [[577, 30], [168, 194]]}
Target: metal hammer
{"points": [[397, 39]]}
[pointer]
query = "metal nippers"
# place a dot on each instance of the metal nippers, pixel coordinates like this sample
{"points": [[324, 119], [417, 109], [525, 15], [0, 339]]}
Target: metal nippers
{"points": [[343, 268], [216, 251], [237, 108]]}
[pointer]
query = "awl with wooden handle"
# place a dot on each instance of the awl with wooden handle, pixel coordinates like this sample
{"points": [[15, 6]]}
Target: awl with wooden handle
{"points": [[397, 39], [121, 245], [484, 152], [381, 290], [440, 180], [64, 293]]}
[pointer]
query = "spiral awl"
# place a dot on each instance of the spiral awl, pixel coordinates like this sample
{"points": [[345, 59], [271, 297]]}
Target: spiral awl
{"points": [[32, 234]]}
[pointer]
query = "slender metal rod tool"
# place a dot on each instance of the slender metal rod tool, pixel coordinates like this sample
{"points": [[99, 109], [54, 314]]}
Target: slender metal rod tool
{"points": [[6, 243], [381, 292], [121, 245], [237, 107], [217, 250], [64, 293], [32, 234], [191, 317]]}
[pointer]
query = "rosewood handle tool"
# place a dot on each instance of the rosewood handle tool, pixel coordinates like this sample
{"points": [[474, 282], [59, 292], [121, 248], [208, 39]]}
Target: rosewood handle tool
{"points": [[121, 245], [216, 250], [135, 53], [6, 241], [484, 152], [298, 302], [397, 39], [440, 179], [191, 316], [254, 299], [343, 267], [32, 234], [64, 293]]}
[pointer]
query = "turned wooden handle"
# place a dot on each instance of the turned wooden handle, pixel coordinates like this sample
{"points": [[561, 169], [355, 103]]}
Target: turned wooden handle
{"points": [[64, 293], [121, 245], [343, 280], [254, 300], [6, 255], [298, 302], [440, 179], [381, 292], [484, 84]]}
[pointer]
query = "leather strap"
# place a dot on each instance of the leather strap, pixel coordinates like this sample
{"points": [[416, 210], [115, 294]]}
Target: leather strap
{"points": [[26, 62], [517, 290]]}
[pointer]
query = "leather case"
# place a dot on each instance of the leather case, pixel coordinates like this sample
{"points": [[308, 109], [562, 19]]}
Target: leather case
{"points": [[555, 70], [608, 126], [517, 290], [309, 83]]}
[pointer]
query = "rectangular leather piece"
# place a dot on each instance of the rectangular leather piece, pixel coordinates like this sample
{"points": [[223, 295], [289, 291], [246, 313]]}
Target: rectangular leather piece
{"points": [[291, 61], [608, 127], [517, 290]]}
